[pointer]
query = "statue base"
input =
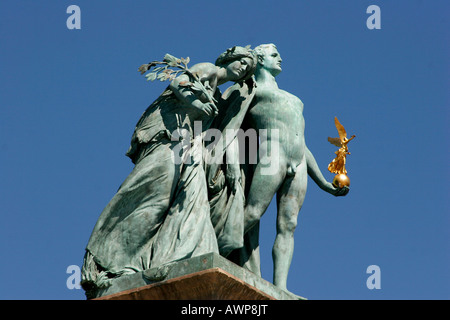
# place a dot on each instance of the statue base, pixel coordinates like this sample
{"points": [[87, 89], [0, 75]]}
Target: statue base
{"points": [[206, 277]]}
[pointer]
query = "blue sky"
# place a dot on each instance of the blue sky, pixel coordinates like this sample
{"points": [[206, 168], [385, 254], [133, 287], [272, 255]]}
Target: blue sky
{"points": [[69, 101]]}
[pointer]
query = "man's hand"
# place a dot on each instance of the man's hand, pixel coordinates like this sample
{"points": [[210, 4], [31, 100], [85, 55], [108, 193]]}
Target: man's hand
{"points": [[338, 192]]}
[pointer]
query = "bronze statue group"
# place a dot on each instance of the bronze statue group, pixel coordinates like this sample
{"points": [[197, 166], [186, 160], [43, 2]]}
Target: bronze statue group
{"points": [[168, 210]]}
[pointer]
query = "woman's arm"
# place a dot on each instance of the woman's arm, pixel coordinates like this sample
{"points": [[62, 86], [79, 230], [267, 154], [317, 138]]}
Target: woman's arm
{"points": [[184, 93]]}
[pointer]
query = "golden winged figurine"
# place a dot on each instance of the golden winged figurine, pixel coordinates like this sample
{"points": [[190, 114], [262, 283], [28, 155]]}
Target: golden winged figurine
{"points": [[338, 164]]}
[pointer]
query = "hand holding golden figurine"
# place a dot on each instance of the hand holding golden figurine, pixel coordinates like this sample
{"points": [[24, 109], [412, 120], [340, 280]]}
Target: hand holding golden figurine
{"points": [[338, 164]]}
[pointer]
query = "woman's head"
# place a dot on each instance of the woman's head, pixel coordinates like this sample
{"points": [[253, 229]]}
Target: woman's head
{"points": [[239, 62]]}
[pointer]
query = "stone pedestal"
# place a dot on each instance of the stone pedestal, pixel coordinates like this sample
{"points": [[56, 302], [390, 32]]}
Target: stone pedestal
{"points": [[211, 284], [206, 277]]}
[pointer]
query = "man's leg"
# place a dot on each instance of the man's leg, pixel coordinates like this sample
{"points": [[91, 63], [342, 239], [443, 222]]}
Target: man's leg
{"points": [[289, 202], [262, 190]]}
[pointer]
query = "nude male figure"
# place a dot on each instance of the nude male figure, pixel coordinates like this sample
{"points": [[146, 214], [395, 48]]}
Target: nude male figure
{"points": [[273, 108]]}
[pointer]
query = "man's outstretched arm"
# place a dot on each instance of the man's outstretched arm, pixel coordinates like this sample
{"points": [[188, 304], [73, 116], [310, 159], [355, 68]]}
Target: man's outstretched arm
{"points": [[315, 174]]}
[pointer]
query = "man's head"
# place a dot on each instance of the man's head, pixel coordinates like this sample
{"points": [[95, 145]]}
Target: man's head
{"points": [[269, 58]]}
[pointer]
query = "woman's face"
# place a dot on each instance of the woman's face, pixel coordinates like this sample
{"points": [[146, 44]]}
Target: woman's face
{"points": [[236, 70]]}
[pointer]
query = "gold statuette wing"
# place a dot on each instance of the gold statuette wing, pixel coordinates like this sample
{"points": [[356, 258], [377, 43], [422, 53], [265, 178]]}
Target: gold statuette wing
{"points": [[336, 141], [340, 129]]}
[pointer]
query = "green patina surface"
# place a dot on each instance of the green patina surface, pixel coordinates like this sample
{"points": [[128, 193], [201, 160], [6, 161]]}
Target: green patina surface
{"points": [[180, 203]]}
